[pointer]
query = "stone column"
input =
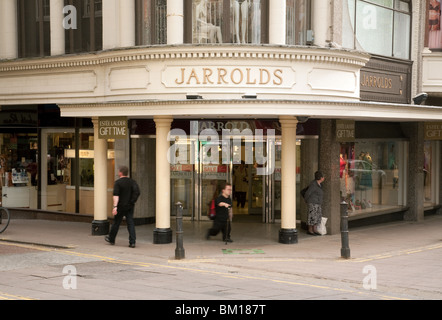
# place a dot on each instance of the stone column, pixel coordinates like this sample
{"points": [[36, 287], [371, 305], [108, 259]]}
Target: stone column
{"points": [[329, 150], [8, 29], [175, 21], [57, 30], [127, 23], [111, 24], [321, 21], [288, 233], [162, 233], [277, 21], [100, 225], [415, 184]]}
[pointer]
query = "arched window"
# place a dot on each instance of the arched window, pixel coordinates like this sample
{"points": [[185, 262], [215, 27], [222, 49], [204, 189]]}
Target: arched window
{"points": [[380, 27], [226, 21]]}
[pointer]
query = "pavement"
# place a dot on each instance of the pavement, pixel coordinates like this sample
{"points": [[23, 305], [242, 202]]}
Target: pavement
{"points": [[55, 260]]}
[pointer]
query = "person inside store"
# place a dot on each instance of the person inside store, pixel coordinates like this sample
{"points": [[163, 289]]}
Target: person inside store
{"points": [[224, 214], [314, 197], [241, 183], [126, 193]]}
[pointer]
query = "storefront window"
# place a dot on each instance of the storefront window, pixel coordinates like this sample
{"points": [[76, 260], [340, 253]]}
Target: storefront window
{"points": [[18, 169], [151, 22], [372, 175], [231, 21], [434, 24], [297, 21], [378, 26], [431, 172]]}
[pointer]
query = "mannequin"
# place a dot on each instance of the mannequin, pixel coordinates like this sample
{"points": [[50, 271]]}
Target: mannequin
{"points": [[242, 5], [206, 30]]}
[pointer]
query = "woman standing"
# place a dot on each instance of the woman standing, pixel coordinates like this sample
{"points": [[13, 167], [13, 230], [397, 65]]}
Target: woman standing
{"points": [[314, 197]]}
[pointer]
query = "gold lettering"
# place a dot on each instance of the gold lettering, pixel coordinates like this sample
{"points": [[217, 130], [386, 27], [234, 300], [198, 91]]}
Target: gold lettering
{"points": [[194, 76], [261, 76], [221, 75], [207, 74], [278, 74], [182, 77], [232, 76], [248, 77]]}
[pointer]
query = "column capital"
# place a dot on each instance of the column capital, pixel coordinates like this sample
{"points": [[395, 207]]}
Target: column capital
{"points": [[163, 120], [288, 121]]}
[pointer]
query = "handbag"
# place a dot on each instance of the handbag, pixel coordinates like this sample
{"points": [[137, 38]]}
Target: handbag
{"points": [[212, 211]]}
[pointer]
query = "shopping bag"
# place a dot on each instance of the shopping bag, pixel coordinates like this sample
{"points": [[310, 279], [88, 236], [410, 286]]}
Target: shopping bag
{"points": [[321, 228]]}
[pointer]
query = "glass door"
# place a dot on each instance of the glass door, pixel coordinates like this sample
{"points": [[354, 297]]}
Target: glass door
{"points": [[214, 170]]}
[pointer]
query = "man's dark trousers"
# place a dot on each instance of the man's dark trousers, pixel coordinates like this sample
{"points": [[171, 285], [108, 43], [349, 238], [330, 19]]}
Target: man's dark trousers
{"points": [[129, 214]]}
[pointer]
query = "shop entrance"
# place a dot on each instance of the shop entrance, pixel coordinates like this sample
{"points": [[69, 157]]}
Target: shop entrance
{"points": [[252, 168]]}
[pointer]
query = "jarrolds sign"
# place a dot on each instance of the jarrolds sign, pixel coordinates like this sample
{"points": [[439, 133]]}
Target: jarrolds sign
{"points": [[386, 80], [228, 76]]}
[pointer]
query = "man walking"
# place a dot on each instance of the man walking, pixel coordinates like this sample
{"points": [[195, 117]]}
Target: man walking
{"points": [[223, 205], [126, 193]]}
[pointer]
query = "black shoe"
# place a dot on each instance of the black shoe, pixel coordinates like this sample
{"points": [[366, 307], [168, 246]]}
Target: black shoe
{"points": [[107, 239], [228, 240], [311, 233], [131, 245]]}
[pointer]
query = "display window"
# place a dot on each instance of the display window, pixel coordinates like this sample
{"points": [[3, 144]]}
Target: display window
{"points": [[431, 173], [434, 24], [18, 169], [372, 175]]}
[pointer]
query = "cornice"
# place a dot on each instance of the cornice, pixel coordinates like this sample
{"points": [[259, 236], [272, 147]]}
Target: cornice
{"points": [[190, 52]]}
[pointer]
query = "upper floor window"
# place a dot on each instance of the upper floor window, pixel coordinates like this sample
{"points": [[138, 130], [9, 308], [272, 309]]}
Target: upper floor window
{"points": [[230, 21], [378, 26], [151, 22], [298, 20], [434, 25], [34, 35], [89, 33]]}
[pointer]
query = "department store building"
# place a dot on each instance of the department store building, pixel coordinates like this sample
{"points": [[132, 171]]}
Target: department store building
{"points": [[182, 92]]}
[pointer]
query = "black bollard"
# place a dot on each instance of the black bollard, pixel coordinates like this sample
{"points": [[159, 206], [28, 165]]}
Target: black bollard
{"points": [[345, 249], [179, 251]]}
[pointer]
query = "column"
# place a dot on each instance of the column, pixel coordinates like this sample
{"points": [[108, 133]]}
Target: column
{"points": [[111, 24], [329, 150], [277, 21], [321, 21], [100, 225], [8, 29], [162, 233], [57, 30], [175, 22], [127, 23], [288, 233], [415, 183]]}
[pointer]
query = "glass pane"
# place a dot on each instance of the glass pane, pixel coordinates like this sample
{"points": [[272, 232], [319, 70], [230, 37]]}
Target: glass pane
{"points": [[246, 21], [207, 21], [374, 30], [348, 24], [434, 25], [18, 170], [402, 27], [385, 3], [370, 175], [296, 22]]}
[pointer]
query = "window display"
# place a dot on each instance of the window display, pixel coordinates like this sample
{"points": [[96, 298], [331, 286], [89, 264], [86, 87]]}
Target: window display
{"points": [[371, 175], [434, 25]]}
